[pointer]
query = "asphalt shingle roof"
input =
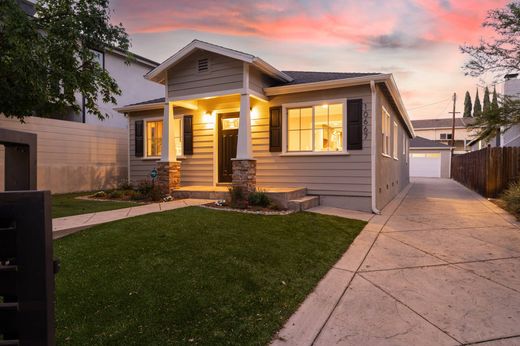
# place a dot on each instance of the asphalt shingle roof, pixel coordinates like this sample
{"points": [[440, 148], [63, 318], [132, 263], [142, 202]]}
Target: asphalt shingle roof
{"points": [[301, 77], [159, 100], [421, 142]]}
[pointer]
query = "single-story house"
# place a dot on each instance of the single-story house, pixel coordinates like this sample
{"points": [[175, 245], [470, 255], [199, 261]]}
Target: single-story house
{"points": [[429, 158], [230, 118]]}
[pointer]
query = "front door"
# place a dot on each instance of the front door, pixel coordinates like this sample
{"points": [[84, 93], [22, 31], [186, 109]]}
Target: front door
{"points": [[227, 145]]}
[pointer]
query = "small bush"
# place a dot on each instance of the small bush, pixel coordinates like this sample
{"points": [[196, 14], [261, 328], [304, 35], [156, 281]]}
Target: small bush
{"points": [[237, 198], [511, 198], [155, 194], [137, 196], [115, 194], [100, 194], [259, 198], [125, 185]]}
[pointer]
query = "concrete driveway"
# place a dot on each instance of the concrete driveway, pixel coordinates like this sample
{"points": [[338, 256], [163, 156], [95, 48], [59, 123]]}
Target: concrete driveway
{"points": [[441, 266]]}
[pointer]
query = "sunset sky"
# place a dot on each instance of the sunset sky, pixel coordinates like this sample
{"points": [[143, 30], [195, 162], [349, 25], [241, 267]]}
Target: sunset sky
{"points": [[416, 40]]}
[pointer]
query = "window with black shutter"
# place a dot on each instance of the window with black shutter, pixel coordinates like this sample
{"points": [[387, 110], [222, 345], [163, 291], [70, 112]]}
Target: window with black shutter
{"points": [[139, 138], [275, 129], [355, 124]]}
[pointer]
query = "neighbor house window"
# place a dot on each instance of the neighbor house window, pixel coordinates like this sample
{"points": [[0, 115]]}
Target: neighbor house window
{"points": [[445, 136], [315, 128], [154, 131], [385, 132], [396, 138]]}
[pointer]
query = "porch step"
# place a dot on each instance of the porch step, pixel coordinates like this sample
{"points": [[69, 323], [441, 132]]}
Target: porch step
{"points": [[304, 203]]}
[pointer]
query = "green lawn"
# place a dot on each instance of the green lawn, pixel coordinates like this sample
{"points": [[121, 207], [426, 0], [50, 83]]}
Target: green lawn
{"points": [[192, 276], [67, 205]]}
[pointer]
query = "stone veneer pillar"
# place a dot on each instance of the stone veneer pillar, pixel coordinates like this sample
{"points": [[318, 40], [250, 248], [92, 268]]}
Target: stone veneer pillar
{"points": [[244, 175], [169, 176]]}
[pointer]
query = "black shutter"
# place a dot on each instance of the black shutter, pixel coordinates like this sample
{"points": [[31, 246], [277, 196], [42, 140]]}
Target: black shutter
{"points": [[355, 124], [188, 134], [139, 138], [275, 129]]}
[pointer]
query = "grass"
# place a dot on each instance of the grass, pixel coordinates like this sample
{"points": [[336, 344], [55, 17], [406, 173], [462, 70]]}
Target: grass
{"points": [[192, 276], [68, 205]]}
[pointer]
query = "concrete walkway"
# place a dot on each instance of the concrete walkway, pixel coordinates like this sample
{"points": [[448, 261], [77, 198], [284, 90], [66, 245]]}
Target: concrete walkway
{"points": [[440, 266], [70, 224]]}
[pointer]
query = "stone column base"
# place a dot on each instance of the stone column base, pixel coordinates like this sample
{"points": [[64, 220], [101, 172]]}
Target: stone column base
{"points": [[169, 176], [244, 175]]}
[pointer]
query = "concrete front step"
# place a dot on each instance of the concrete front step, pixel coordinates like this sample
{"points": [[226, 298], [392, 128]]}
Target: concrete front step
{"points": [[304, 203]]}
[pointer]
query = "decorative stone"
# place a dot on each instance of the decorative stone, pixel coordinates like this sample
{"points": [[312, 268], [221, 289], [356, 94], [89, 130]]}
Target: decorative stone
{"points": [[169, 176], [244, 175]]}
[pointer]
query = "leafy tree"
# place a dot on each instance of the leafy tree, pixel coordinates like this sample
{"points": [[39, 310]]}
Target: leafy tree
{"points": [[477, 108], [497, 56], [48, 59], [494, 102], [467, 105], [486, 100]]}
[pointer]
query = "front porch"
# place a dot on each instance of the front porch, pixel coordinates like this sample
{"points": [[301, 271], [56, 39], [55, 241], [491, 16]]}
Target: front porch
{"points": [[294, 198]]}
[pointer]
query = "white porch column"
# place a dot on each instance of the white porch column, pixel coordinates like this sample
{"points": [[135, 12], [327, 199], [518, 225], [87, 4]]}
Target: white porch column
{"points": [[244, 146], [168, 152]]}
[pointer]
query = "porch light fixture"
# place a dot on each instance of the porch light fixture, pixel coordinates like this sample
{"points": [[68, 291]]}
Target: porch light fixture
{"points": [[208, 119]]}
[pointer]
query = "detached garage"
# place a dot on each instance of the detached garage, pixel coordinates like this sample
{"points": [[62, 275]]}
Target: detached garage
{"points": [[429, 158]]}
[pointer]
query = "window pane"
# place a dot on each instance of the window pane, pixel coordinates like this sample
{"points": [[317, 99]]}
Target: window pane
{"points": [[294, 119], [321, 138], [336, 139], [230, 123], [321, 116], [178, 136], [293, 140], [306, 118], [336, 115], [305, 140], [153, 138]]}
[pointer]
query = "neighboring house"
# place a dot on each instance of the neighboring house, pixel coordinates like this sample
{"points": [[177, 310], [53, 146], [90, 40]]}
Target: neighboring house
{"points": [[440, 130], [511, 136], [230, 117], [429, 158], [128, 76]]}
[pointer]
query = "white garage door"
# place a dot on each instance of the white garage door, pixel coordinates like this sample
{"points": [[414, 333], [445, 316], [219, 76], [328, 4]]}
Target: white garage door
{"points": [[425, 165]]}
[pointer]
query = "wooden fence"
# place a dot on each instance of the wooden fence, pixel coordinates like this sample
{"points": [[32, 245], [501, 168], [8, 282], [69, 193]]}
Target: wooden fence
{"points": [[488, 171]]}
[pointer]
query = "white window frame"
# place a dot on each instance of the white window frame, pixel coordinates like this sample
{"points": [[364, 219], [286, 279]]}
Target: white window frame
{"points": [[385, 132], [285, 127], [396, 140], [145, 136]]}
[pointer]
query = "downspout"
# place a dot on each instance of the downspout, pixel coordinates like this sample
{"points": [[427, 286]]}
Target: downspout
{"points": [[373, 149]]}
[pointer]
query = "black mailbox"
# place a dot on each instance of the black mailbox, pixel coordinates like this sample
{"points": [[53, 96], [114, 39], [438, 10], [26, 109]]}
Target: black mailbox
{"points": [[26, 269]]}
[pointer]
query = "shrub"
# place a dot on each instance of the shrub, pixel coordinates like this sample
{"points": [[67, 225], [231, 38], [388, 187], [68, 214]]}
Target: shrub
{"points": [[115, 194], [511, 198], [144, 187], [125, 185], [137, 196], [259, 198], [237, 198], [155, 194], [100, 194]]}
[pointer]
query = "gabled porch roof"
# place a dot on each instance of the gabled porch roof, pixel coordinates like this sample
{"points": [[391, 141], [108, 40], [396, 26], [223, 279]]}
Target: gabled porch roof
{"points": [[158, 73]]}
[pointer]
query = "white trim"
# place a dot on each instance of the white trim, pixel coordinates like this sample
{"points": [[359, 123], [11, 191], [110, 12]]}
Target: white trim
{"points": [[156, 74], [137, 108], [312, 104], [329, 84], [228, 92], [373, 149], [428, 148], [395, 135], [386, 120]]}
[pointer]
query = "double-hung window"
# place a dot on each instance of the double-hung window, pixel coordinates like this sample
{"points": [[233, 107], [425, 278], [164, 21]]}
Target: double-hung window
{"points": [[153, 137], [385, 131], [396, 138], [316, 128]]}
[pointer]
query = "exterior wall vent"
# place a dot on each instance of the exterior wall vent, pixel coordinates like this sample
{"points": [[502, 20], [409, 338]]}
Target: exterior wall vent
{"points": [[203, 65]]}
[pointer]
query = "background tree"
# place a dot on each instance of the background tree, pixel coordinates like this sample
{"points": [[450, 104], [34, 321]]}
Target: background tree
{"points": [[486, 101], [497, 56], [47, 60], [494, 101], [477, 108], [467, 105]]}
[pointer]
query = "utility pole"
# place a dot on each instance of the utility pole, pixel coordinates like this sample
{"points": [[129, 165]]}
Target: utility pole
{"points": [[453, 122]]}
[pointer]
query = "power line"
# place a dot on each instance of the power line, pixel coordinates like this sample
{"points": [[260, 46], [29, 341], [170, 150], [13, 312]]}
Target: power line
{"points": [[430, 104]]}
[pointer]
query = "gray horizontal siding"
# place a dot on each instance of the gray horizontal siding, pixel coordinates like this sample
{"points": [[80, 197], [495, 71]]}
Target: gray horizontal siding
{"points": [[224, 74]]}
